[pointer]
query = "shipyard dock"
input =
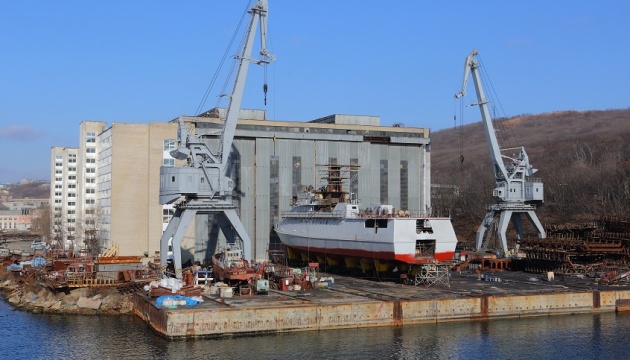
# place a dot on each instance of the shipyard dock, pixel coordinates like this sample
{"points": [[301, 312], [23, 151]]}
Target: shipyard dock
{"points": [[353, 303]]}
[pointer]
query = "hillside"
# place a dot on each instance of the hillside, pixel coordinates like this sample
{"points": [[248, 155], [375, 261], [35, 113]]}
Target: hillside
{"points": [[29, 189], [583, 159]]}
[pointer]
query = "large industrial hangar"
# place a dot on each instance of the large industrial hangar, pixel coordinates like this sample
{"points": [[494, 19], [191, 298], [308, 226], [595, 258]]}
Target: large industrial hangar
{"points": [[271, 160]]}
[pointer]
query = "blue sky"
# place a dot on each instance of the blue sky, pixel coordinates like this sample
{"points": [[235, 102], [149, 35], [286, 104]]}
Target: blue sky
{"points": [[63, 62]]}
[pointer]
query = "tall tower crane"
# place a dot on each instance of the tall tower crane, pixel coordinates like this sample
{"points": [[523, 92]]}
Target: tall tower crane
{"points": [[515, 193], [204, 182]]}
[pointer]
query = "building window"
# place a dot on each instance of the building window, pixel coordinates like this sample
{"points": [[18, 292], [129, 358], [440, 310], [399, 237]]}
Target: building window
{"points": [[404, 185], [169, 144], [168, 162], [72, 177], [384, 181], [57, 194], [89, 201], [71, 212], [91, 137], [274, 197], [90, 181], [90, 191], [58, 179], [72, 186], [167, 214], [72, 168], [58, 171], [72, 195], [57, 201], [90, 170], [58, 164], [71, 203], [91, 150], [72, 161], [58, 186], [90, 161], [58, 157]]}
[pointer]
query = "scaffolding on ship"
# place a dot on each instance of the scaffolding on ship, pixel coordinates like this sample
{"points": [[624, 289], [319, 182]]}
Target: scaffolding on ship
{"points": [[432, 274]]}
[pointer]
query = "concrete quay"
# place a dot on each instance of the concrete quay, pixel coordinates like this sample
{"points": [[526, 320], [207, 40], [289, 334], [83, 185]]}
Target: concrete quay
{"points": [[354, 303]]}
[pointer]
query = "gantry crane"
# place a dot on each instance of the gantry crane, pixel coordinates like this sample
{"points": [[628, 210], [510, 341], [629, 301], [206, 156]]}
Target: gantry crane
{"points": [[515, 194], [204, 182]]}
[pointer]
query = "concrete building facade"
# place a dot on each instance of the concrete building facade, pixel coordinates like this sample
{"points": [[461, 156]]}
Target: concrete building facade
{"points": [[129, 160], [15, 220], [20, 214]]}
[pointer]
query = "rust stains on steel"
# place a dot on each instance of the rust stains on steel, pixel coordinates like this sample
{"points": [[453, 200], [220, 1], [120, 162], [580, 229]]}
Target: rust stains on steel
{"points": [[586, 248], [398, 313]]}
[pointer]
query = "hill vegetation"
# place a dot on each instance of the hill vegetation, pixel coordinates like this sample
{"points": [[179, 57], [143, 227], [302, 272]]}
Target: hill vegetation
{"points": [[29, 189], [583, 159]]}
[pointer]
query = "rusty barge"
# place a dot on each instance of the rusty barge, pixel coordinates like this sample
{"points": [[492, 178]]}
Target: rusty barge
{"points": [[354, 303]]}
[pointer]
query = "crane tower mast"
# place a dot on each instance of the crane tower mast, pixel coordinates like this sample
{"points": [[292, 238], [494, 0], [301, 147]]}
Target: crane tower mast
{"points": [[515, 193]]}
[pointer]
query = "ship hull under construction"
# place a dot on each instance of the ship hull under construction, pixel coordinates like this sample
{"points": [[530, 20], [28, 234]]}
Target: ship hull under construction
{"points": [[369, 243]]}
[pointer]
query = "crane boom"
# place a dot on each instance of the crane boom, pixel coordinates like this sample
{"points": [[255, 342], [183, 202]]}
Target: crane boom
{"points": [[471, 66], [259, 14], [514, 192]]}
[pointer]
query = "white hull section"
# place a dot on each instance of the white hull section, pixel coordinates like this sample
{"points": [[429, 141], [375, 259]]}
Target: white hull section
{"points": [[408, 240]]}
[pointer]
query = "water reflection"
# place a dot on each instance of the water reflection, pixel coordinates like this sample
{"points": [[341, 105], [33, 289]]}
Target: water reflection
{"points": [[586, 336]]}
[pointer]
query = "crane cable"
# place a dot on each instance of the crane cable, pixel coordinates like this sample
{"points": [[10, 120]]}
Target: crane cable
{"points": [[509, 137], [460, 131], [221, 63], [265, 87]]}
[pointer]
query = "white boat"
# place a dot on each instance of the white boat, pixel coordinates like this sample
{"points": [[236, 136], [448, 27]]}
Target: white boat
{"points": [[325, 225]]}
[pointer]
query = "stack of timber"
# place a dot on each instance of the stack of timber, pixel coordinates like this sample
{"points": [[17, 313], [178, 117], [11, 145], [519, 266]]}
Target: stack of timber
{"points": [[589, 248]]}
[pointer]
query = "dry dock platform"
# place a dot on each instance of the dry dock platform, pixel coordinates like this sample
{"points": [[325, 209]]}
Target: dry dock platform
{"points": [[352, 303]]}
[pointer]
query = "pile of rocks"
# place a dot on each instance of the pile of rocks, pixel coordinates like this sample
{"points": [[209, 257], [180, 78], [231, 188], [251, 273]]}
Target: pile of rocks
{"points": [[88, 301]]}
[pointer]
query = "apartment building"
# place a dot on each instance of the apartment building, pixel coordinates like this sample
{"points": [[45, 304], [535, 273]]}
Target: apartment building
{"points": [[107, 189], [63, 196]]}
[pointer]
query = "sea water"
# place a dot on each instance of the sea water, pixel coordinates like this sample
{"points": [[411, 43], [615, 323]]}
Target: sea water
{"points": [[586, 336]]}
